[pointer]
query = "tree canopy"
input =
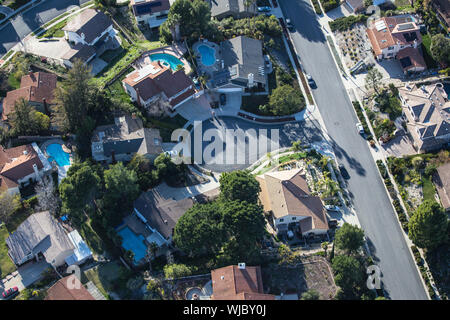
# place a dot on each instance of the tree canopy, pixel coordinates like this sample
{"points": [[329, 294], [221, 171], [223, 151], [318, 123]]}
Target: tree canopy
{"points": [[285, 100], [26, 120], [348, 275], [239, 185], [373, 79], [428, 225], [349, 238], [440, 49]]}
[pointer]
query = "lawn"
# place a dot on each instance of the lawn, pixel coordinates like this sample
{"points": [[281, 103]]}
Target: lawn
{"points": [[167, 125], [55, 31], [428, 188], [103, 276], [91, 237], [18, 217], [294, 156], [6, 265]]}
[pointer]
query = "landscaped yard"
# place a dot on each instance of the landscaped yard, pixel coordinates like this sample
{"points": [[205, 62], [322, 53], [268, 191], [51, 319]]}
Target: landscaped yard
{"points": [[104, 276], [426, 43], [6, 264], [93, 240]]}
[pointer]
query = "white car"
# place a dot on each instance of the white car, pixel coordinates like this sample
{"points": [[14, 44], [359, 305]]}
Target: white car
{"points": [[360, 128], [332, 208]]}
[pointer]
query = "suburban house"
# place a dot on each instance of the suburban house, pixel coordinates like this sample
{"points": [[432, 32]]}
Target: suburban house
{"points": [[356, 6], [158, 89], [152, 12], [90, 33], [441, 180], [121, 140], [37, 88], [442, 9], [41, 236], [21, 165], [160, 215], [68, 288], [238, 283], [427, 112], [243, 65], [286, 196], [397, 37], [237, 9]]}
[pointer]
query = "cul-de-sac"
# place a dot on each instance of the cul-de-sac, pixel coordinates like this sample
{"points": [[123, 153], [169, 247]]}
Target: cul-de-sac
{"points": [[224, 150]]}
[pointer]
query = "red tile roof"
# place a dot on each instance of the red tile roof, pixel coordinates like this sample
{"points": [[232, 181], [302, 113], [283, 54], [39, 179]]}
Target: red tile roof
{"points": [[414, 56], [34, 87], [68, 288], [233, 283], [16, 163]]}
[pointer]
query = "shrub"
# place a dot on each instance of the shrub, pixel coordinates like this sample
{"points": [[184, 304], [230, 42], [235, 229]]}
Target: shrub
{"points": [[345, 23]]}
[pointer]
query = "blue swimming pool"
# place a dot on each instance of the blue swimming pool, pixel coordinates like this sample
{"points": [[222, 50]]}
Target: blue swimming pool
{"points": [[135, 243], [56, 153], [208, 55], [167, 59]]}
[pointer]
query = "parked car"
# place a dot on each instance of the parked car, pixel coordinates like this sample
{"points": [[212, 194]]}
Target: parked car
{"points": [[289, 25], [9, 293], [333, 223], [360, 128], [223, 99], [332, 208], [311, 81], [344, 172], [264, 9]]}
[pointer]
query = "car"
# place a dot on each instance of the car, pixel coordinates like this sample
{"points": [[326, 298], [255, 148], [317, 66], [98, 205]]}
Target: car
{"points": [[333, 223], [332, 208], [360, 128], [344, 172], [264, 9], [223, 99], [311, 81], [289, 24], [9, 293]]}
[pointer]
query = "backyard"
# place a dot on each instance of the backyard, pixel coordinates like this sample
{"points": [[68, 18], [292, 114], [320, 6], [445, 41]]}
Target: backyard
{"points": [[6, 264], [106, 277]]}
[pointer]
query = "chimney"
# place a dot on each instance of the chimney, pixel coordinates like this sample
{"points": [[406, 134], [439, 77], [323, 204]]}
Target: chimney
{"points": [[36, 172], [133, 116], [44, 102], [241, 265], [113, 156]]}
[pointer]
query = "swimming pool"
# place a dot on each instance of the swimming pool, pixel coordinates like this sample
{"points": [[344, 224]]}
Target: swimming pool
{"points": [[208, 55], [167, 59], [135, 243], [56, 153], [447, 88]]}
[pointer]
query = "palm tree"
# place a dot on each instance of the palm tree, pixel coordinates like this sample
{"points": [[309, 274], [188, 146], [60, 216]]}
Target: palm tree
{"points": [[173, 22]]}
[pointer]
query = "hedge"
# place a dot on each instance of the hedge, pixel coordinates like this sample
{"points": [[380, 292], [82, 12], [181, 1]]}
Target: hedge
{"points": [[317, 7], [362, 119], [345, 23], [329, 4]]}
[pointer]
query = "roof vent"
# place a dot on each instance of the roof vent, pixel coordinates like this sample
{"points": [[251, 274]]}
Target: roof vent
{"points": [[222, 277], [25, 152], [241, 265], [165, 221]]}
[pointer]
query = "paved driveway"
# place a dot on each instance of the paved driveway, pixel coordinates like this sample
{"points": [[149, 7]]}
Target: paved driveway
{"points": [[26, 275], [375, 213], [305, 131], [32, 19]]}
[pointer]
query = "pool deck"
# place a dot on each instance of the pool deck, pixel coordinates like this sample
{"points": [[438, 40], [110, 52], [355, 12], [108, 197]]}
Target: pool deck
{"points": [[177, 50], [203, 69], [62, 171]]}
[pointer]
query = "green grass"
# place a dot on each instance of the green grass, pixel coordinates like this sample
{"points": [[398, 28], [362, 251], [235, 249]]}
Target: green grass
{"points": [[6, 264], [167, 125], [103, 276], [294, 156], [92, 239], [13, 81], [426, 43], [55, 31], [18, 217], [109, 55], [428, 188]]}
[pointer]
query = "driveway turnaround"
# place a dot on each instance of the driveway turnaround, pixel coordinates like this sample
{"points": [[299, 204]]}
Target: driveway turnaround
{"points": [[32, 19], [400, 276], [304, 131]]}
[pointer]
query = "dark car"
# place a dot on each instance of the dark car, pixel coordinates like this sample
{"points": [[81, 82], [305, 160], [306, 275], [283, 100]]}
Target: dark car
{"points": [[223, 99], [311, 81], [333, 223], [289, 25], [344, 172], [264, 9], [10, 292]]}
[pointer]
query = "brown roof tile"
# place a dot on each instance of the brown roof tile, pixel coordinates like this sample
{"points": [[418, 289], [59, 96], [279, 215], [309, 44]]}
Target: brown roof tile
{"points": [[442, 183], [15, 164], [68, 288]]}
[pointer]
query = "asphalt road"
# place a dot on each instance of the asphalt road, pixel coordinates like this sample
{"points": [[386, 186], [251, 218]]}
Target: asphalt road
{"points": [[377, 217], [32, 19]]}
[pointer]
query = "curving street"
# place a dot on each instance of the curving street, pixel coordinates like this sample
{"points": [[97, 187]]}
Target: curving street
{"points": [[23, 24], [376, 215]]}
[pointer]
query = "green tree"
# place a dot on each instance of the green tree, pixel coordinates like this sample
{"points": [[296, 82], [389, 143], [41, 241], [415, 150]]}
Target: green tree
{"points": [[373, 79], [428, 225], [348, 274], [200, 230], [440, 48], [147, 177], [78, 190], [311, 294], [9, 203], [74, 97], [286, 100], [296, 146], [239, 185], [174, 271], [25, 120], [349, 238]]}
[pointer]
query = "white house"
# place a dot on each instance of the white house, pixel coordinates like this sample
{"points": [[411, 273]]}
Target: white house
{"points": [[152, 12]]}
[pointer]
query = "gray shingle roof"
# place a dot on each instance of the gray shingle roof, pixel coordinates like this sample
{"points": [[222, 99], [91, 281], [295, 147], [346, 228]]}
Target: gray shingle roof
{"points": [[90, 22], [40, 232]]}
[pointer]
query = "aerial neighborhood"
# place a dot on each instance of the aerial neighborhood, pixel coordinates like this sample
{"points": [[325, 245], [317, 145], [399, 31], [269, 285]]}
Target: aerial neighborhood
{"points": [[225, 150]]}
